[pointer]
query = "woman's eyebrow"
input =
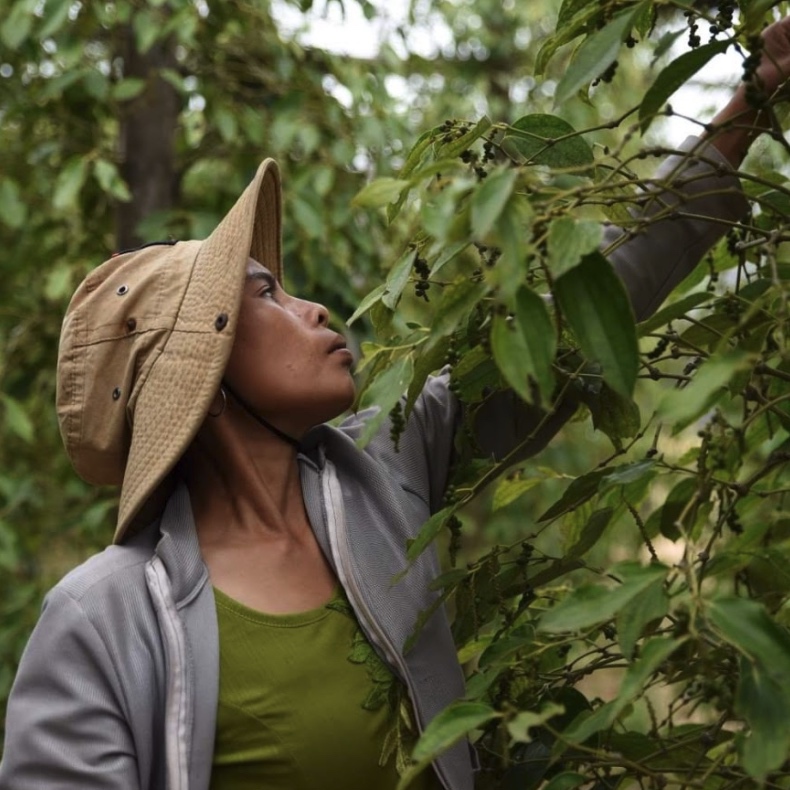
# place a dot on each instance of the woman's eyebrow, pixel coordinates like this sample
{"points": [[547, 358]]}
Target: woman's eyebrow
{"points": [[267, 277]]}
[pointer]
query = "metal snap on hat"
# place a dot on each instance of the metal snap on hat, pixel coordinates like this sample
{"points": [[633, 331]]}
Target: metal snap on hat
{"points": [[145, 342]]}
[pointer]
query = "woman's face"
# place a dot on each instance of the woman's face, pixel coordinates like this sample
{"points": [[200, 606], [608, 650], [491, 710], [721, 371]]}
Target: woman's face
{"points": [[286, 363]]}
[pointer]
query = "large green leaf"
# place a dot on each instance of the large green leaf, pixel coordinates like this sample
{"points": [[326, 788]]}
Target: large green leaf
{"points": [[380, 192], [683, 406], [593, 300], [519, 727], [397, 278], [596, 54], [455, 305], [672, 312], [543, 139], [490, 198], [385, 390], [372, 298], [592, 604], [69, 183], [591, 532], [651, 604], [579, 491], [450, 726], [17, 24], [763, 694], [675, 75], [524, 347], [569, 241]]}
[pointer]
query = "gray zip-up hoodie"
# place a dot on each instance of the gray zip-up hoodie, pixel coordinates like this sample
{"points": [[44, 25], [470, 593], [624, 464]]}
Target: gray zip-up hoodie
{"points": [[117, 688]]}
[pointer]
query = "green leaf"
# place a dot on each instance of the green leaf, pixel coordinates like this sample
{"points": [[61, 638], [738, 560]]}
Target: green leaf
{"points": [[418, 151], [508, 491], [226, 124], [672, 312], [523, 722], [147, 29], [524, 347], [683, 406], [58, 282], [591, 532], [512, 237], [127, 89], [457, 301], [69, 183], [754, 12], [16, 418], [448, 254], [547, 140], [747, 625], [593, 300], [456, 147], [56, 12], [763, 702], [428, 361], [651, 604], [579, 491], [569, 241], [379, 192], [616, 416], [110, 180], [593, 604], [595, 55], [675, 75], [452, 724], [368, 302], [13, 211], [397, 278], [763, 696], [385, 390], [490, 198], [664, 520], [428, 532], [624, 474], [18, 23]]}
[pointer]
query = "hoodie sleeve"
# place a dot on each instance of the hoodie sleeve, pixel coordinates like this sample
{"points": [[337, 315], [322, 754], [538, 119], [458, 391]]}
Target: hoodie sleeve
{"points": [[65, 726]]}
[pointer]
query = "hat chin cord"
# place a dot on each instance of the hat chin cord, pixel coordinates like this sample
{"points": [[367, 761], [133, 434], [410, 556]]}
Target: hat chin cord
{"points": [[265, 423]]}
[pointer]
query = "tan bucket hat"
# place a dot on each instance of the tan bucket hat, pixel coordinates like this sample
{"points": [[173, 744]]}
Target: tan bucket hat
{"points": [[144, 345]]}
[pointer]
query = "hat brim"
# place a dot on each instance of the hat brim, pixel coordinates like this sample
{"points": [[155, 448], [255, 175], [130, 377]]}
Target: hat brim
{"points": [[177, 393]]}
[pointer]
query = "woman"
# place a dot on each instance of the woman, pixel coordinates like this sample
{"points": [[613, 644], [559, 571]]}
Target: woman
{"points": [[244, 630]]}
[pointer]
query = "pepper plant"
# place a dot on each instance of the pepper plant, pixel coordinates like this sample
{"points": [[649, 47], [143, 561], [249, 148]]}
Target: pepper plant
{"points": [[502, 283]]}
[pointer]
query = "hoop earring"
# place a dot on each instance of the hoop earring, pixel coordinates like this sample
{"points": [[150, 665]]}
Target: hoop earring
{"points": [[222, 407]]}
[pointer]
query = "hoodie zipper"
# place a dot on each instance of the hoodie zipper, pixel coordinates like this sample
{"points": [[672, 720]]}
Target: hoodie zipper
{"points": [[338, 541], [176, 700]]}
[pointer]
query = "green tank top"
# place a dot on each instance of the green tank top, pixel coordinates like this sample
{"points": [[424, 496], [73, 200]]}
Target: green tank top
{"points": [[305, 702]]}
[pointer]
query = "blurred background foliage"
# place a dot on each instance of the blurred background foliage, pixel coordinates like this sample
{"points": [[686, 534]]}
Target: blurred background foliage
{"points": [[123, 122]]}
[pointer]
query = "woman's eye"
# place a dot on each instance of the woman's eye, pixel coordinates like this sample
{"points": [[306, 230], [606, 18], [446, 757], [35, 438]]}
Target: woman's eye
{"points": [[267, 292]]}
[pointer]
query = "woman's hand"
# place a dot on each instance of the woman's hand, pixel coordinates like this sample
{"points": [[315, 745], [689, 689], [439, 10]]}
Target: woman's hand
{"points": [[774, 68], [748, 113]]}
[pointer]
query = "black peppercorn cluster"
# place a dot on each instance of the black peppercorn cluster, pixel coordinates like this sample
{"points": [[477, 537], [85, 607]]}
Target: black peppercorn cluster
{"points": [[608, 74], [694, 39], [423, 272], [454, 525], [661, 347], [397, 424]]}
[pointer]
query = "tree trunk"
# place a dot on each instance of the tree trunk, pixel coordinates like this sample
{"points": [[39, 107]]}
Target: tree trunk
{"points": [[147, 138]]}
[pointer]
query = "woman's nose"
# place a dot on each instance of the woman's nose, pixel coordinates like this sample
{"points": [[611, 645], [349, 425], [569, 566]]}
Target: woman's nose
{"points": [[321, 314]]}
